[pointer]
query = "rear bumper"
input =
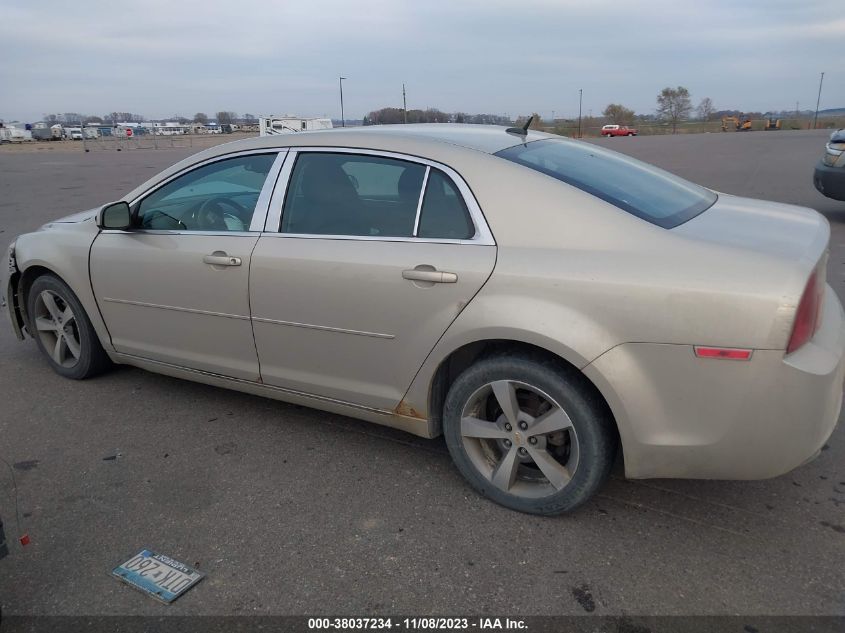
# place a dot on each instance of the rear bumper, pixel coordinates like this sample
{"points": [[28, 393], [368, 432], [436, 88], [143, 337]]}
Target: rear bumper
{"points": [[682, 416], [830, 181]]}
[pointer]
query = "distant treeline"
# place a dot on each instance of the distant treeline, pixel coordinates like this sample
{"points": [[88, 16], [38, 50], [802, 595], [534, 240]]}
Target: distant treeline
{"points": [[387, 116], [112, 118]]}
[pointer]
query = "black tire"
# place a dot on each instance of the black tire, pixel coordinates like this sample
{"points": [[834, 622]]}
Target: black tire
{"points": [[92, 359], [595, 432]]}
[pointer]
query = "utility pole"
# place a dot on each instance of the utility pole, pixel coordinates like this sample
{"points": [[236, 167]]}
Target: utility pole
{"points": [[342, 118], [580, 99], [816, 117], [404, 104]]}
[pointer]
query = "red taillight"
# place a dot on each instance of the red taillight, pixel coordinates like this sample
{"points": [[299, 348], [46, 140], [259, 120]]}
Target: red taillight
{"points": [[808, 316]]}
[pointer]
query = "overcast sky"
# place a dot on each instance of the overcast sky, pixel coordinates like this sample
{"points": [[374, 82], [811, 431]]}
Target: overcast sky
{"points": [[165, 57]]}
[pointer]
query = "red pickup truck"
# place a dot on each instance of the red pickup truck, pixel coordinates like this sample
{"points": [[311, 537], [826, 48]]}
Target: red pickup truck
{"points": [[618, 130]]}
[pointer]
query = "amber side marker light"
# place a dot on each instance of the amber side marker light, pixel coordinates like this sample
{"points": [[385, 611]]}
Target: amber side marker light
{"points": [[723, 353]]}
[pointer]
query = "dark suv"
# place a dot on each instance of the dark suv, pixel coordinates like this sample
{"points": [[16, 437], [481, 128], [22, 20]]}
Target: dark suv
{"points": [[829, 177]]}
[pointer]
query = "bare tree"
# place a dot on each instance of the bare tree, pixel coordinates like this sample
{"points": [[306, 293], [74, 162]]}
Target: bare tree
{"points": [[618, 114], [201, 117], [71, 118], [673, 105], [705, 109], [122, 117], [431, 115], [226, 117]]}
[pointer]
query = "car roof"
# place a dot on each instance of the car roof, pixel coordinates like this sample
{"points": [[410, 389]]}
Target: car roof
{"points": [[438, 141], [484, 138]]}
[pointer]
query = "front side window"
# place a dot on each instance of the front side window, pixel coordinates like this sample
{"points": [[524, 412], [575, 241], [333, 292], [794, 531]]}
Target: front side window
{"points": [[219, 196], [350, 194], [636, 187]]}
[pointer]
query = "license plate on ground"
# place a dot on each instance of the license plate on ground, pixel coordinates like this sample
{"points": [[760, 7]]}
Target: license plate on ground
{"points": [[157, 575]]}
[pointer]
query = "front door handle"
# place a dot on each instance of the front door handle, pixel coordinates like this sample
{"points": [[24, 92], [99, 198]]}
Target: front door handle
{"points": [[433, 276], [221, 259]]}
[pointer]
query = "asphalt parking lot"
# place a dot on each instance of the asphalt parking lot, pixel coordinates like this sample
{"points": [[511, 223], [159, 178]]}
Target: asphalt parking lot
{"points": [[293, 511]]}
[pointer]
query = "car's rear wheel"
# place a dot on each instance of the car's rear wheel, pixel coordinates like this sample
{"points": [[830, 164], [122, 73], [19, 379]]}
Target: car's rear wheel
{"points": [[529, 433], [63, 330]]}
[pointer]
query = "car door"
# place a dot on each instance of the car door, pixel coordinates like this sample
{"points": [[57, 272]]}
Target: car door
{"points": [[375, 255], [175, 288]]}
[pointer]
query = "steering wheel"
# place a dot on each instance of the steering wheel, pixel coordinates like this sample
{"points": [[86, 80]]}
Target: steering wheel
{"points": [[210, 216]]}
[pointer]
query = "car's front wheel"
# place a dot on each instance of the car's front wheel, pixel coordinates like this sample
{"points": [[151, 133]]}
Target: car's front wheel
{"points": [[63, 331], [529, 433]]}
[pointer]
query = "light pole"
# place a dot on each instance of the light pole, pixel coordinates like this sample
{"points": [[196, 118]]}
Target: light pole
{"points": [[816, 117], [580, 98], [342, 118], [404, 104]]}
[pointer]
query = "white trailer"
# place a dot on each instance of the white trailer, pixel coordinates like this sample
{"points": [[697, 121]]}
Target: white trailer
{"points": [[287, 124], [159, 128], [13, 134]]}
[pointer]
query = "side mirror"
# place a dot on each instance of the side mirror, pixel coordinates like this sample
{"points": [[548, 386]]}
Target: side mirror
{"points": [[115, 215]]}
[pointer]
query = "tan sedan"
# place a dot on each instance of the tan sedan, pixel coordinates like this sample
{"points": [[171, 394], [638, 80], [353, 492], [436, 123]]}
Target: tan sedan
{"points": [[541, 302]]}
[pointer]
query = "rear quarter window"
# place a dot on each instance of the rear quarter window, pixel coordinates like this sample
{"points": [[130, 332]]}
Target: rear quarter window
{"points": [[632, 185]]}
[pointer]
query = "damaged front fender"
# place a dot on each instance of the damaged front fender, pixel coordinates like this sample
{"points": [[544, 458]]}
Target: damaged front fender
{"points": [[10, 299]]}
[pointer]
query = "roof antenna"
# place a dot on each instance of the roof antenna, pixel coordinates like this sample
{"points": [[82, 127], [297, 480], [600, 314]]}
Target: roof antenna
{"points": [[522, 131]]}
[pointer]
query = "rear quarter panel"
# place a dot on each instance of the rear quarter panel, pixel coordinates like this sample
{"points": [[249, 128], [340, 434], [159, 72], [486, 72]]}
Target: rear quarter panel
{"points": [[578, 276]]}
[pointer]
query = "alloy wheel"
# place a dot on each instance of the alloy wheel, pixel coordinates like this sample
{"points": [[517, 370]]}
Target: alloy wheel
{"points": [[57, 328], [520, 439]]}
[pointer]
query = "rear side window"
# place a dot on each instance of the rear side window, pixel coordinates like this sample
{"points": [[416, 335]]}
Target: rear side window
{"points": [[443, 214], [634, 186], [349, 194]]}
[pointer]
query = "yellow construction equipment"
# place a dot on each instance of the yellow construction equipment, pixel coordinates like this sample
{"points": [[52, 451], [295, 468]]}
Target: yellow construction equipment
{"points": [[742, 124], [772, 124]]}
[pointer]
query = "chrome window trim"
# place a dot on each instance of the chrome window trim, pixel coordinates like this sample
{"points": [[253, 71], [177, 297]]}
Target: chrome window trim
{"points": [[420, 203], [483, 234], [264, 195], [375, 238], [250, 233]]}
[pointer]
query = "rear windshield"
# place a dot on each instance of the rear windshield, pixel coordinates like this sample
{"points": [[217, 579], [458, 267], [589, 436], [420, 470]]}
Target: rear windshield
{"points": [[636, 187]]}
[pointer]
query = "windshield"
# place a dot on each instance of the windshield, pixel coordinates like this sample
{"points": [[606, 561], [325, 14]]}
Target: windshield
{"points": [[636, 187]]}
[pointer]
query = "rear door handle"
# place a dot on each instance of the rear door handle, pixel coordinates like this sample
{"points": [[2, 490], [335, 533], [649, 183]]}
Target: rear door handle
{"points": [[221, 259], [434, 276]]}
